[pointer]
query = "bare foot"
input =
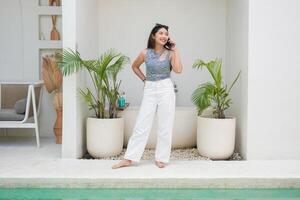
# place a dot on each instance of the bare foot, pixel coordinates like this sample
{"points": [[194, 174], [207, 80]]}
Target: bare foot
{"points": [[160, 164], [122, 163]]}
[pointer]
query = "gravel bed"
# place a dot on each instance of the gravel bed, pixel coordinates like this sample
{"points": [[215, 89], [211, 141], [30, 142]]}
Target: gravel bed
{"points": [[176, 154]]}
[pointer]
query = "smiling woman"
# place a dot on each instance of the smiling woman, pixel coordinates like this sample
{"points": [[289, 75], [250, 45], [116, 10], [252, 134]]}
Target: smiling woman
{"points": [[160, 58]]}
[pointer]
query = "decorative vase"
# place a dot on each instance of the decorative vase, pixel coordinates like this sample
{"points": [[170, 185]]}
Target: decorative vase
{"points": [[58, 126], [57, 99], [54, 2], [52, 77], [54, 33]]}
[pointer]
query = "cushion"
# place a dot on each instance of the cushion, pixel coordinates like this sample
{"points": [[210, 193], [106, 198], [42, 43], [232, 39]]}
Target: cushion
{"points": [[20, 106], [10, 115]]}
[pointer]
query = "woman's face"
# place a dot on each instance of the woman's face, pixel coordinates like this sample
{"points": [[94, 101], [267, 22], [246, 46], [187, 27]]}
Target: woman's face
{"points": [[161, 36]]}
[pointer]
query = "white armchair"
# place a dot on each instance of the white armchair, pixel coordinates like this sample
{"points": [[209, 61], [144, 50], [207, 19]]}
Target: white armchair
{"points": [[10, 93]]}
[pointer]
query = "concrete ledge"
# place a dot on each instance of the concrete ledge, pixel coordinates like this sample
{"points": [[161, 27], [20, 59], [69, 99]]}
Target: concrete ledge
{"points": [[71, 173], [150, 183], [23, 165]]}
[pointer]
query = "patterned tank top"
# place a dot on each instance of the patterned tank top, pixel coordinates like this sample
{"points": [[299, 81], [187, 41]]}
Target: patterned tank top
{"points": [[158, 65]]}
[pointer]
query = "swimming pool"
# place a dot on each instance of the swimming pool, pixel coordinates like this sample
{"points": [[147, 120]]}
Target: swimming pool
{"points": [[147, 194]]}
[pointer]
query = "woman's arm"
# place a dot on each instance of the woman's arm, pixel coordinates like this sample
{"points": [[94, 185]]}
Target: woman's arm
{"points": [[137, 63]]}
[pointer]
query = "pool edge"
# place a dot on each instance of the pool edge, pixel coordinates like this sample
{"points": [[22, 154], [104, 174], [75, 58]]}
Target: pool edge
{"points": [[150, 183]]}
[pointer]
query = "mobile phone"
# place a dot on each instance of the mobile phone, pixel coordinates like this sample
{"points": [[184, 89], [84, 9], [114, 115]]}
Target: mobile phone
{"points": [[169, 45]]}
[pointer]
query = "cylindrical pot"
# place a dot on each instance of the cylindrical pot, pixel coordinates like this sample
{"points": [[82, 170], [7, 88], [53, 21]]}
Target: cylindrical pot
{"points": [[58, 126], [216, 137], [105, 137]]}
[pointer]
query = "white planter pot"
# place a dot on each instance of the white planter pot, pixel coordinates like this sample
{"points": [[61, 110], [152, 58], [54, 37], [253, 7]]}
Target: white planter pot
{"points": [[105, 136], [184, 130], [216, 137]]}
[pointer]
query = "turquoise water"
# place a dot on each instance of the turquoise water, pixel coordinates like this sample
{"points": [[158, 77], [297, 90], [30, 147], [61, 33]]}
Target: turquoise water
{"points": [[155, 194]]}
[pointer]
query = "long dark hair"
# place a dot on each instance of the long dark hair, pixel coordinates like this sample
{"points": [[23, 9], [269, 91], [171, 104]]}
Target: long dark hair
{"points": [[151, 41]]}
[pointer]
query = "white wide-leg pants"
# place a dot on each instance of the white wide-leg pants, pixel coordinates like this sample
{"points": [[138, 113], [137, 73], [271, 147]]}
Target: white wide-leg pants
{"points": [[159, 96]]}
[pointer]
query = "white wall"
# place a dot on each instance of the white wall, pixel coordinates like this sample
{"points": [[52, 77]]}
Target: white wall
{"points": [[11, 40], [19, 39], [87, 45], [273, 85], [197, 26], [237, 60], [81, 33]]}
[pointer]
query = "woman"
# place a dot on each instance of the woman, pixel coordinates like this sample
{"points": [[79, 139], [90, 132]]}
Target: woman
{"points": [[160, 57]]}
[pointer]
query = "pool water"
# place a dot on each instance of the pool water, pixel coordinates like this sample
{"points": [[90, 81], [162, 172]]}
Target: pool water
{"points": [[155, 194]]}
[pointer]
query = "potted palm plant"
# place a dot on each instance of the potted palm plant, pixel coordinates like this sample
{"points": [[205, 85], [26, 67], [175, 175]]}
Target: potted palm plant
{"points": [[215, 132], [105, 130]]}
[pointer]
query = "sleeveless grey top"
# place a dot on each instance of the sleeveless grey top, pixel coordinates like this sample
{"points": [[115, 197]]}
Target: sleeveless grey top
{"points": [[157, 65]]}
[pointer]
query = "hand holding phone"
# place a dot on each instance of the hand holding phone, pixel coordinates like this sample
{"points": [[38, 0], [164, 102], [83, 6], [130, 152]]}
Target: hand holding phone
{"points": [[170, 44]]}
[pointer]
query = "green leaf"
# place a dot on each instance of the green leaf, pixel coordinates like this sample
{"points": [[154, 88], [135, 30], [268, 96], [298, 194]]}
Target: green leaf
{"points": [[234, 81], [103, 72], [201, 97], [212, 94]]}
